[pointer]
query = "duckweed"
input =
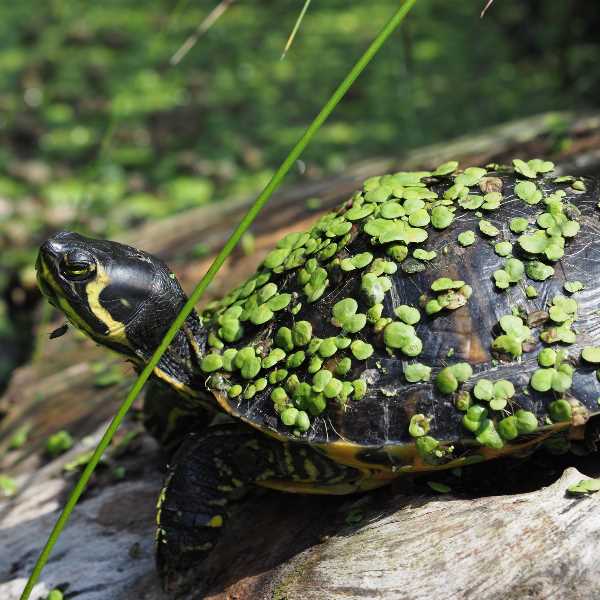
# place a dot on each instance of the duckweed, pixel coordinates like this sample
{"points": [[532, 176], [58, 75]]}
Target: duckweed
{"points": [[560, 410], [503, 248], [417, 372], [393, 212], [446, 168], [538, 271], [531, 292], [573, 286], [449, 378], [518, 224], [466, 238], [408, 314], [591, 354], [419, 426], [441, 217], [211, 362], [528, 192], [488, 228]]}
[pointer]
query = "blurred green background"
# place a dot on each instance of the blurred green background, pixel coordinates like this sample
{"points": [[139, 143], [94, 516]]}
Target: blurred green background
{"points": [[100, 132]]}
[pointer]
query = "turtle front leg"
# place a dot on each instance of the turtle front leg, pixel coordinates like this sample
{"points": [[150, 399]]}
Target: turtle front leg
{"points": [[213, 469], [168, 419]]}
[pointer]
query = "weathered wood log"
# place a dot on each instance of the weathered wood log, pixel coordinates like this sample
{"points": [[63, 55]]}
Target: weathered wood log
{"points": [[541, 544], [405, 546]]}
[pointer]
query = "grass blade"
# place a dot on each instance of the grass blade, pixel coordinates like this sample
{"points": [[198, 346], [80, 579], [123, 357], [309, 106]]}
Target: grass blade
{"points": [[290, 40], [231, 243]]}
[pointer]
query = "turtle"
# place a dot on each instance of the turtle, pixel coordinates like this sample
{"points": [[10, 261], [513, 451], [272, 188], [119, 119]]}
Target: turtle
{"points": [[435, 320]]}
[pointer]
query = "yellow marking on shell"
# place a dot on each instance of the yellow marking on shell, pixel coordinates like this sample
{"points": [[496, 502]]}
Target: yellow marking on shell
{"points": [[347, 453], [217, 502], [216, 521], [310, 487], [289, 461], [116, 329], [311, 469]]}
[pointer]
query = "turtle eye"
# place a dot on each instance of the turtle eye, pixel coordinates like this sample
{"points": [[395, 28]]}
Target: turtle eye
{"points": [[77, 267]]}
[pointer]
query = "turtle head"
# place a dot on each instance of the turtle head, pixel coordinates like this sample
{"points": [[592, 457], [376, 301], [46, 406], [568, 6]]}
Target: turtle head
{"points": [[120, 297]]}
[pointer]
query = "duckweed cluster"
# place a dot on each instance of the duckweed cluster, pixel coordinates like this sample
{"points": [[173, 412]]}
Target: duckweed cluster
{"points": [[262, 336]]}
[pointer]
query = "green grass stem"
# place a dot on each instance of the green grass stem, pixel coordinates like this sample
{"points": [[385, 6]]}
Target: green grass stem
{"points": [[231, 243]]}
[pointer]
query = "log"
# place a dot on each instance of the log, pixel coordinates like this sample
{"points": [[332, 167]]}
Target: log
{"points": [[398, 543], [530, 542]]}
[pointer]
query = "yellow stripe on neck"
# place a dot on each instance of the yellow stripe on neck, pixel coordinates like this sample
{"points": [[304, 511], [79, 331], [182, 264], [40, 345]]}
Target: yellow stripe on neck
{"points": [[116, 329]]}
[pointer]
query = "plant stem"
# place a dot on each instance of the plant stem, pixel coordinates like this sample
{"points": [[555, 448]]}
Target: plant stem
{"points": [[245, 223]]}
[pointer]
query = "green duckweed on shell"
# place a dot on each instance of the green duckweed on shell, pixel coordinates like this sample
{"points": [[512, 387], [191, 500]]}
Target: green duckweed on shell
{"points": [[526, 421], [515, 333], [399, 335], [484, 390], [591, 354], [419, 426], [471, 202], [474, 417], [450, 377], [538, 271], [547, 357], [295, 360], [422, 254], [276, 355], [560, 410], [289, 416], [466, 238], [546, 379], [470, 176], [531, 292], [572, 287], [463, 400], [528, 192], [343, 366], [518, 224], [446, 168], [503, 248], [327, 348], [487, 435], [302, 421], [445, 283], [441, 217], [283, 339], [361, 350], [492, 201], [356, 213], [508, 428], [211, 362], [301, 333], [488, 228], [417, 372], [360, 388], [234, 391], [408, 314], [261, 314]]}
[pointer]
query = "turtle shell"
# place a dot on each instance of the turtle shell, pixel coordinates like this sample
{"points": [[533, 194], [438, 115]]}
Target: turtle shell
{"points": [[452, 313]]}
